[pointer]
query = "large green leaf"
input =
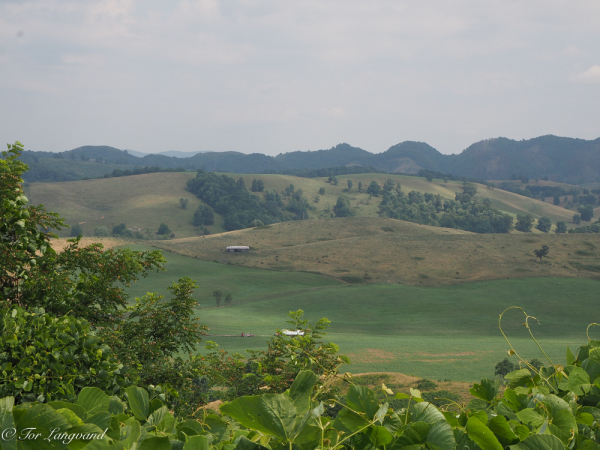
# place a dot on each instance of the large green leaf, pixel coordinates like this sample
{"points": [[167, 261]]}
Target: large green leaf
{"points": [[301, 389], [515, 401], [273, 414], [77, 409], [415, 435], [591, 367], [138, 402], [130, 433], [487, 390], [570, 357], [89, 429], [101, 419], [518, 378], [349, 422], [563, 425], [93, 400], [502, 430], [155, 443], [425, 412], [196, 443], [555, 404], [438, 436], [539, 442], [579, 381], [42, 419], [482, 435], [244, 443], [530, 417], [217, 427], [441, 437], [7, 422], [362, 399], [156, 417], [379, 436]]}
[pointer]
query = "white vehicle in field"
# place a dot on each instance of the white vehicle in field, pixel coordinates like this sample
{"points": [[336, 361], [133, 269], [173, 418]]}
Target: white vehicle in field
{"points": [[292, 333]]}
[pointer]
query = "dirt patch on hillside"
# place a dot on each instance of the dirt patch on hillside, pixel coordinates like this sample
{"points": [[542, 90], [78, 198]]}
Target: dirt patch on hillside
{"points": [[400, 382], [60, 244]]}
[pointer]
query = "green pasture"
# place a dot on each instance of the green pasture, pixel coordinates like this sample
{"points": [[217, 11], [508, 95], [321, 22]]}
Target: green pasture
{"points": [[242, 283], [440, 333]]}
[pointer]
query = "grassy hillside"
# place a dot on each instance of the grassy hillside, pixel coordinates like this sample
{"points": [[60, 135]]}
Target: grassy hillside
{"points": [[144, 201], [366, 249], [141, 202], [440, 333]]}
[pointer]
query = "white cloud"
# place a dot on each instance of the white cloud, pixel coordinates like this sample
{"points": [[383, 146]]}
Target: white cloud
{"points": [[589, 76]]}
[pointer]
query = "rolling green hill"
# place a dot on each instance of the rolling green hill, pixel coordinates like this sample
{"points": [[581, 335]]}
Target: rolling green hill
{"points": [[144, 201]]}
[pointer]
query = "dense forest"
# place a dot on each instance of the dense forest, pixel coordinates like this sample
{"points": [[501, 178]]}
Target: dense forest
{"points": [[241, 208], [465, 212]]}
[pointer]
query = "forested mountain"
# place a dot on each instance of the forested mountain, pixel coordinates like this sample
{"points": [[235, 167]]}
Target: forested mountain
{"points": [[560, 159]]}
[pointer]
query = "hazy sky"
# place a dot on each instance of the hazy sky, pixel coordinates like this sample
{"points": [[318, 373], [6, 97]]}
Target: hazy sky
{"points": [[274, 76]]}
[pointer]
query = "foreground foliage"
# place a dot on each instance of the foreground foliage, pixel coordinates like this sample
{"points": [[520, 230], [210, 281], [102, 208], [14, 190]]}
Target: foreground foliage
{"points": [[553, 408]]}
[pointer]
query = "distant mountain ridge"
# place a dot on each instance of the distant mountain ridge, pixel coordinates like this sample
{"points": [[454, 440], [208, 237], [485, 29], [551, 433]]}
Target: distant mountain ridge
{"points": [[561, 159]]}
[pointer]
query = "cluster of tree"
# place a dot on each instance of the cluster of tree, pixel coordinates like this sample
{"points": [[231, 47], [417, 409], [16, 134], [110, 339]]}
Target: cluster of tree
{"points": [[578, 195], [465, 212], [593, 228], [429, 175], [120, 230], [230, 198], [258, 185], [326, 172], [218, 295]]}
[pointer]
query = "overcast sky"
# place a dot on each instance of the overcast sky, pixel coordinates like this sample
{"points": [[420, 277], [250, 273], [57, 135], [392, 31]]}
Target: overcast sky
{"points": [[273, 76]]}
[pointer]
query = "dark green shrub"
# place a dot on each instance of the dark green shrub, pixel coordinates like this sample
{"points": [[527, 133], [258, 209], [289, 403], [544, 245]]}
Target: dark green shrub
{"points": [[45, 358], [426, 385]]}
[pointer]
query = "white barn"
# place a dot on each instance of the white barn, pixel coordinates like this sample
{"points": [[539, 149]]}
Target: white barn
{"points": [[238, 248]]}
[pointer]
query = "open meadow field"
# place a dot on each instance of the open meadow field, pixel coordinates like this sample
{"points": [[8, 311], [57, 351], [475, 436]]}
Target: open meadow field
{"points": [[142, 202], [369, 250], [448, 332]]}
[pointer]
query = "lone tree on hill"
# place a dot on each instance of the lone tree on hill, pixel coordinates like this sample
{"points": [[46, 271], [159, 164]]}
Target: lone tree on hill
{"points": [[503, 367], [544, 224], [228, 299], [524, 223], [561, 227], [163, 229], [349, 184], [218, 295], [360, 186], [183, 202], [541, 252], [342, 207], [374, 189], [76, 230], [587, 212]]}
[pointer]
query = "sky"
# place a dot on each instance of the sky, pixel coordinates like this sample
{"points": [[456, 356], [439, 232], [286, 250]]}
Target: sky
{"points": [[272, 76]]}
